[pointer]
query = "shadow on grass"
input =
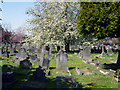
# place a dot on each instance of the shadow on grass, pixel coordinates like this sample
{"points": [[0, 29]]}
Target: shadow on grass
{"points": [[112, 66], [71, 68], [52, 67], [50, 82]]}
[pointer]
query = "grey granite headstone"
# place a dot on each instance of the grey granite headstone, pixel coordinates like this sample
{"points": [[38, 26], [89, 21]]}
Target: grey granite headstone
{"points": [[22, 54], [61, 58], [86, 53]]}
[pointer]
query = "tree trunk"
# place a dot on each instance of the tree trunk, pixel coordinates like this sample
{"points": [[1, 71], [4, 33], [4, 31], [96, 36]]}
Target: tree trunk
{"points": [[118, 60], [58, 48], [67, 48]]}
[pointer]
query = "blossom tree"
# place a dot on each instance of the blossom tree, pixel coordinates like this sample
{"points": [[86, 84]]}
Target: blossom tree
{"points": [[52, 23]]}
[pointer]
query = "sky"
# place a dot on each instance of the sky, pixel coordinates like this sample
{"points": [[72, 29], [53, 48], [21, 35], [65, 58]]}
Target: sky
{"points": [[13, 13]]}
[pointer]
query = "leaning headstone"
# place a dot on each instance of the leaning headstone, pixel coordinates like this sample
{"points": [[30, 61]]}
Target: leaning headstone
{"points": [[26, 64], [61, 58]]}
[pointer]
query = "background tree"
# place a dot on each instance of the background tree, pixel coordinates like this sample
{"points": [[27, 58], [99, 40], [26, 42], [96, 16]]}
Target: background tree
{"points": [[100, 19], [52, 23]]}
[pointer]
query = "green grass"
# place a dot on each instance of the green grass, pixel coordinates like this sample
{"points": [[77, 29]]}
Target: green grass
{"points": [[86, 81]]}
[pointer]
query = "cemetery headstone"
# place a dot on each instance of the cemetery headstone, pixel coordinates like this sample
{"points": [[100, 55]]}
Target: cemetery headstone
{"points": [[61, 58], [22, 54], [33, 58], [86, 53], [11, 50], [109, 50], [103, 51], [25, 64]]}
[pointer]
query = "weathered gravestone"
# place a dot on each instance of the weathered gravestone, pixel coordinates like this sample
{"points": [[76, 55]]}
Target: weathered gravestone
{"points": [[25, 64], [18, 46], [84, 71], [0, 53], [6, 54], [109, 50], [41, 56], [86, 53], [103, 50], [81, 53], [61, 58], [11, 50], [22, 54], [33, 58], [44, 63], [31, 50]]}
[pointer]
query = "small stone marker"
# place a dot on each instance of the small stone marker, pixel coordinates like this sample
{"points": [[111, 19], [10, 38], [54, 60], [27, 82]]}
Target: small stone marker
{"points": [[84, 71]]}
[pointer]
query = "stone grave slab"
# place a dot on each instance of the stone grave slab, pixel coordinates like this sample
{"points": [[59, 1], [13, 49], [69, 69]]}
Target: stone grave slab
{"points": [[66, 82], [84, 71]]}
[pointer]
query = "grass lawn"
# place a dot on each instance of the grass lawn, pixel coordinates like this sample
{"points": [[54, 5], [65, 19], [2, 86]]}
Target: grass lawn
{"points": [[97, 80]]}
